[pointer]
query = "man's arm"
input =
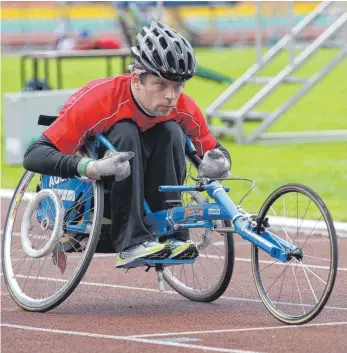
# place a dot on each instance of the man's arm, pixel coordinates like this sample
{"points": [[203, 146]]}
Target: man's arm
{"points": [[52, 154], [85, 113], [224, 151], [44, 158], [194, 125]]}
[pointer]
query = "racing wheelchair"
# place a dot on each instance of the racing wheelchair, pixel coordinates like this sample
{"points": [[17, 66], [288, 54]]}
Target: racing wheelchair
{"points": [[54, 225]]}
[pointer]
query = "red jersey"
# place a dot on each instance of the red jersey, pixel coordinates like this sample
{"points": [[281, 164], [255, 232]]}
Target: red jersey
{"points": [[99, 104]]}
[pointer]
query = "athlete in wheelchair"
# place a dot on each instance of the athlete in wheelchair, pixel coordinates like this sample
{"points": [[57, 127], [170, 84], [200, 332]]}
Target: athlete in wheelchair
{"points": [[116, 156], [145, 115]]}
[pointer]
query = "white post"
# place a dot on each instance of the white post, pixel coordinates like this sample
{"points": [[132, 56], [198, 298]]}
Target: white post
{"points": [[258, 31], [291, 43]]}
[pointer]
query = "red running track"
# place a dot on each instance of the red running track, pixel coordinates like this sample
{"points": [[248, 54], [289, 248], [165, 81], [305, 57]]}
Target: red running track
{"points": [[114, 311]]}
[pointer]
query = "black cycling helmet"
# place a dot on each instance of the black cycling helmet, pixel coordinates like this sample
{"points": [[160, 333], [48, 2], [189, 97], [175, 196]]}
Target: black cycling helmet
{"points": [[165, 53]]}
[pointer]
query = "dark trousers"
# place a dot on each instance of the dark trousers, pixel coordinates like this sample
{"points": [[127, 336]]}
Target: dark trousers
{"points": [[159, 160]]}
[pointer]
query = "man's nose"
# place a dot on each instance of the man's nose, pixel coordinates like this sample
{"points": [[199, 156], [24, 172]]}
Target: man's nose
{"points": [[170, 93]]}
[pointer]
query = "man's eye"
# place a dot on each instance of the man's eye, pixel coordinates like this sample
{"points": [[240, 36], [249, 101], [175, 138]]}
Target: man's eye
{"points": [[161, 84]]}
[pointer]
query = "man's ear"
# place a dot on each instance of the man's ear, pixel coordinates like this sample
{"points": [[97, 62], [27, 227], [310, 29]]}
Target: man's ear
{"points": [[135, 80]]}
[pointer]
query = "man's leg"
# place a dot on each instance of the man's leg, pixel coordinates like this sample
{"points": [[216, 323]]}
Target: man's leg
{"points": [[127, 196], [164, 146]]}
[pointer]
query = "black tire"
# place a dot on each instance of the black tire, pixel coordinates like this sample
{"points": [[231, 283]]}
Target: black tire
{"points": [[213, 292], [218, 288], [280, 308], [13, 283]]}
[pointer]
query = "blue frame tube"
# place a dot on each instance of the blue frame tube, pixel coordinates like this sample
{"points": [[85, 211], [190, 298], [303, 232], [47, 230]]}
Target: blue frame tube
{"points": [[242, 228], [190, 144], [217, 192], [172, 188], [102, 139], [274, 239]]}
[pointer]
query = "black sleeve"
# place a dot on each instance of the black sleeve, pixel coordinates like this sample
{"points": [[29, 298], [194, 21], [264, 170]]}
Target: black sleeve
{"points": [[44, 158], [224, 151]]}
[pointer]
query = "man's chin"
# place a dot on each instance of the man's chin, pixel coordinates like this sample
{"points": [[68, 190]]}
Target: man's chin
{"points": [[164, 111]]}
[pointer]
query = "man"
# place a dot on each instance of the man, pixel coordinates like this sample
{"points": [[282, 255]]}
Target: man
{"points": [[144, 112]]}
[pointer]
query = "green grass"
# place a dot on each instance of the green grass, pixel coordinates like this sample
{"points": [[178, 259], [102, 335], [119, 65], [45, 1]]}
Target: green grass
{"points": [[323, 167]]}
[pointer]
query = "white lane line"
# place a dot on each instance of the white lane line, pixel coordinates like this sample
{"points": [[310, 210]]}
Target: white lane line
{"points": [[240, 329], [126, 338], [178, 339], [143, 289]]}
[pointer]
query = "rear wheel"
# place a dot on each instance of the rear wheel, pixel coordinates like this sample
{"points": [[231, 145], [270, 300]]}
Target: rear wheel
{"points": [[41, 283]]}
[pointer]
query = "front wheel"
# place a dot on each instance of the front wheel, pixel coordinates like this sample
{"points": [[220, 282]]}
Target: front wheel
{"points": [[296, 291], [209, 276]]}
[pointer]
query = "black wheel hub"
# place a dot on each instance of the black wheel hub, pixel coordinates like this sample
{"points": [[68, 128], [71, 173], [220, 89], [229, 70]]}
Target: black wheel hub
{"points": [[297, 254]]}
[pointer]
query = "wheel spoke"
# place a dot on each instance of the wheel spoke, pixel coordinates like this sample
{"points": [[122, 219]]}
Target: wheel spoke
{"points": [[311, 232], [309, 283], [304, 216], [312, 272], [269, 265], [285, 232], [314, 242], [297, 286], [318, 258], [23, 261], [267, 291], [284, 276], [26, 276]]}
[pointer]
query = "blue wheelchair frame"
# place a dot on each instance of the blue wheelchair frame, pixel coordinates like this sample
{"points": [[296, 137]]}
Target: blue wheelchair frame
{"points": [[166, 222]]}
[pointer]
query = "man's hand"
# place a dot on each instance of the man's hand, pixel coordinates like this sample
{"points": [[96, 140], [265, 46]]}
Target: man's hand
{"points": [[214, 165], [114, 163]]}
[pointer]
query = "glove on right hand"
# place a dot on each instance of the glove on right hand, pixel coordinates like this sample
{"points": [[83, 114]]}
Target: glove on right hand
{"points": [[114, 163], [214, 165]]}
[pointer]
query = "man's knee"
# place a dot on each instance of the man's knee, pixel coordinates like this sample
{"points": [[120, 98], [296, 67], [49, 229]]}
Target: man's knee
{"points": [[124, 135], [170, 131]]}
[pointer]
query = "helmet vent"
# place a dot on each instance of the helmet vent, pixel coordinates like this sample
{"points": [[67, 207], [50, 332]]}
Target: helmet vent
{"points": [[145, 57], [163, 42], [178, 48], [169, 34], [182, 65], [157, 58], [149, 44], [160, 24], [189, 61], [185, 42], [156, 32], [143, 32], [171, 61]]}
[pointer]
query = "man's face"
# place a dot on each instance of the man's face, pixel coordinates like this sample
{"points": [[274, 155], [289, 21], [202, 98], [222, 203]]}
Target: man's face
{"points": [[156, 95]]}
